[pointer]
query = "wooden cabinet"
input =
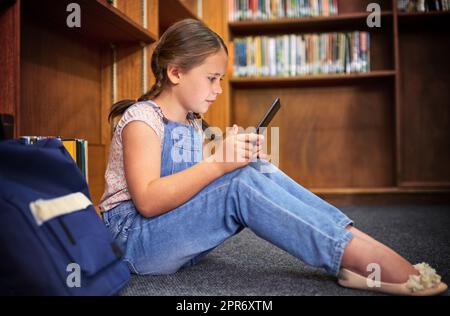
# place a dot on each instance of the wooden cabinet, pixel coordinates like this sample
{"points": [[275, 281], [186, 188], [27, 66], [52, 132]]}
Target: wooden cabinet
{"points": [[374, 137], [61, 81]]}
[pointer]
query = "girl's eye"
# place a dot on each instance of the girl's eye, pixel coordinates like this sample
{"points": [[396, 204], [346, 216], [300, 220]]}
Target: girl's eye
{"points": [[212, 79]]}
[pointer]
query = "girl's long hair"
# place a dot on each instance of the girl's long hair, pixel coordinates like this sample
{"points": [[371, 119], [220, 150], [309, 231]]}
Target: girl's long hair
{"points": [[185, 44]]}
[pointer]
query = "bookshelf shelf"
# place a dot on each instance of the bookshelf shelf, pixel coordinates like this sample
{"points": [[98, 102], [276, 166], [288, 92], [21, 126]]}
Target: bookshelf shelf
{"points": [[341, 21], [171, 12], [377, 196], [100, 21], [258, 82], [413, 15], [420, 20]]}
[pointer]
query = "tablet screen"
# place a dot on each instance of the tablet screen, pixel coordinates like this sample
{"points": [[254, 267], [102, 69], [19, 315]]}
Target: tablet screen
{"points": [[269, 115]]}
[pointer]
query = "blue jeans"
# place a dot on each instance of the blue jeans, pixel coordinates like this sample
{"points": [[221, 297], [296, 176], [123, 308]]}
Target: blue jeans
{"points": [[272, 205]]}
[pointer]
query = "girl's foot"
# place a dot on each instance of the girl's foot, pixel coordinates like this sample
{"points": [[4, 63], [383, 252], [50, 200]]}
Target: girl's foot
{"points": [[395, 274], [427, 283]]}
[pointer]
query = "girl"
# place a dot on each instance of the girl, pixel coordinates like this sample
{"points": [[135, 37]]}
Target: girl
{"points": [[168, 205]]}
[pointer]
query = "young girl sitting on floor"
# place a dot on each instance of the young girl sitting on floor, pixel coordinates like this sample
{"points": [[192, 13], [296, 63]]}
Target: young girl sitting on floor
{"points": [[168, 204]]}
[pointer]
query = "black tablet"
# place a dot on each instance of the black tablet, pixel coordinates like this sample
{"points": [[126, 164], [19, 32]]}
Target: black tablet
{"points": [[269, 115]]}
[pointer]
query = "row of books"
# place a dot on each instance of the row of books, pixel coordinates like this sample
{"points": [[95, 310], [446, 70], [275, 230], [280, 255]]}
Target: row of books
{"points": [[274, 9], [77, 148], [307, 54], [423, 5]]}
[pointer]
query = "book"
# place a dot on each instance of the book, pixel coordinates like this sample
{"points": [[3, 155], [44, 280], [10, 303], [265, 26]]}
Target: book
{"points": [[241, 10]]}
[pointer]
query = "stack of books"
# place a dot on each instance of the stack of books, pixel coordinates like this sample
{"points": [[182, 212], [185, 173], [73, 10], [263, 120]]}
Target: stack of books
{"points": [[240, 10], [423, 5], [296, 55], [77, 148]]}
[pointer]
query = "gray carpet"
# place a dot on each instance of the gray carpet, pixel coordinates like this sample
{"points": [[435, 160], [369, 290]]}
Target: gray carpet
{"points": [[248, 265]]}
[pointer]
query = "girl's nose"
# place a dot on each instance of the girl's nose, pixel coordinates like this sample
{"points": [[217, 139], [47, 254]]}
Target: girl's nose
{"points": [[218, 88]]}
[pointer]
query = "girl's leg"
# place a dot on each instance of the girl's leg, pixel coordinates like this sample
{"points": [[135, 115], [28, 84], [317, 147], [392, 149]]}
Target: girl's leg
{"points": [[368, 249], [275, 174], [244, 198], [364, 250]]}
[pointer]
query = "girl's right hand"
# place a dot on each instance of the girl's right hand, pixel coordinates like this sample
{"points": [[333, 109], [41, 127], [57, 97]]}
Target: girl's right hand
{"points": [[238, 150]]}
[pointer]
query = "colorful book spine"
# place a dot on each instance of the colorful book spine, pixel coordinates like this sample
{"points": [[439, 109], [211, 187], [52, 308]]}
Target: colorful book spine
{"points": [[239, 10], [304, 54]]}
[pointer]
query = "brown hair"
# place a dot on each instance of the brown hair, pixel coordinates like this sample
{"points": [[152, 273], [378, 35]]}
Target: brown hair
{"points": [[185, 44]]}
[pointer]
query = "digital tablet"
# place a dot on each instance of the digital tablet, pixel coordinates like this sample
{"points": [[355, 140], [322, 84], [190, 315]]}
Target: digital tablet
{"points": [[269, 115]]}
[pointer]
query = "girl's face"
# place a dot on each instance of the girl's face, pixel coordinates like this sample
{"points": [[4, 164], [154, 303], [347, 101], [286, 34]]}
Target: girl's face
{"points": [[199, 87]]}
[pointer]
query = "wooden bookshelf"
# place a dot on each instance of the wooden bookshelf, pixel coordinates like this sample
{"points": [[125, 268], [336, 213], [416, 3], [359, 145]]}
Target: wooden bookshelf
{"points": [[426, 15], [101, 21], [60, 81], [376, 137]]}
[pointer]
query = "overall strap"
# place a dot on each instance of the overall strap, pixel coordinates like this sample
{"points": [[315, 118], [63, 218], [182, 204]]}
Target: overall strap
{"points": [[158, 110]]}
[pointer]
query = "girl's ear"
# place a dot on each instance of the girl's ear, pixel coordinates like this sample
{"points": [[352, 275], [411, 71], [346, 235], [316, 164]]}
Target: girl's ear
{"points": [[173, 73]]}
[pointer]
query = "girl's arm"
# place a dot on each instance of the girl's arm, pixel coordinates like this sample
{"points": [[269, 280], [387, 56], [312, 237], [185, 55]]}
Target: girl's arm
{"points": [[154, 195]]}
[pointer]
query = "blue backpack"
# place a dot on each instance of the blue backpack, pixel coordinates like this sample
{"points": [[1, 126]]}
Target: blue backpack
{"points": [[52, 242]]}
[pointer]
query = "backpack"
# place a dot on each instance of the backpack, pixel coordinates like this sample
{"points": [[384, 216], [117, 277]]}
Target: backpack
{"points": [[52, 241]]}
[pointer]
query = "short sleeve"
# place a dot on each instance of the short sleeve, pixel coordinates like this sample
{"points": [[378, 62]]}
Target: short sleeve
{"points": [[141, 112]]}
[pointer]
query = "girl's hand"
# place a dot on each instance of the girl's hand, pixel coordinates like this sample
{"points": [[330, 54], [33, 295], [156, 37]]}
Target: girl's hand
{"points": [[238, 150]]}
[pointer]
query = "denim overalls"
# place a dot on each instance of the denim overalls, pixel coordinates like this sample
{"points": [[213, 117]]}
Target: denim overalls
{"points": [[271, 204]]}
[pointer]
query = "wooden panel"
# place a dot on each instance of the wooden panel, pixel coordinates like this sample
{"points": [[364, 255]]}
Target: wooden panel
{"points": [[60, 85], [219, 114], [97, 168], [425, 107], [381, 48], [152, 16], [129, 72], [171, 11], [397, 96], [192, 5], [9, 58], [132, 9], [428, 20], [153, 25], [106, 98], [330, 137], [151, 77]]}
